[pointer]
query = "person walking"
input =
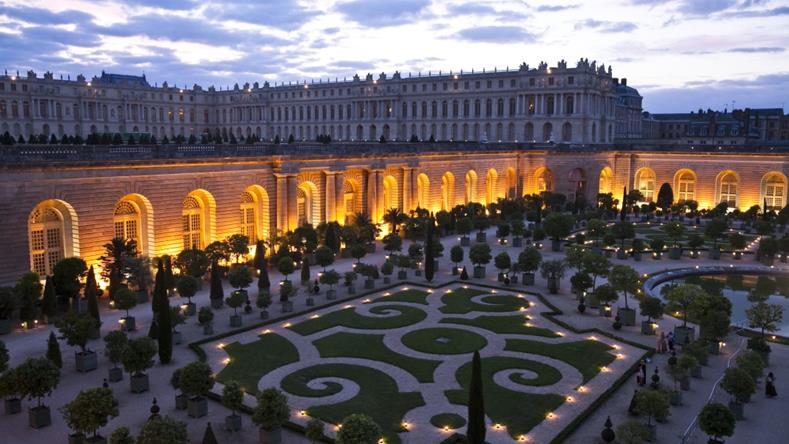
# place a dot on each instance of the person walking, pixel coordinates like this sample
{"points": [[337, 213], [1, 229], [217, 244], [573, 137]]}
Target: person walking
{"points": [[670, 339], [661, 343], [769, 386]]}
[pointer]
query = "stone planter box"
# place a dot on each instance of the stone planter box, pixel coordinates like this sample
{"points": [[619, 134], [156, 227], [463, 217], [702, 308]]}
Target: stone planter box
{"points": [[208, 328], [76, 438], [556, 245], [387, 280], [6, 326], [287, 306], [139, 383], [714, 254], [737, 408], [369, 284], [527, 278], [197, 406], [310, 301], [235, 321], [482, 237], [217, 303], [129, 324], [417, 272], [479, 272], [675, 398], [86, 361], [646, 328], [402, 275], [331, 294], [656, 255], [233, 423], [12, 406], [675, 253], [627, 316], [517, 242], [181, 401], [351, 290], [696, 371], [273, 436], [683, 335], [38, 417], [142, 297], [177, 337], [553, 285], [191, 309], [637, 256], [684, 383], [621, 254], [465, 241], [98, 439], [115, 374]]}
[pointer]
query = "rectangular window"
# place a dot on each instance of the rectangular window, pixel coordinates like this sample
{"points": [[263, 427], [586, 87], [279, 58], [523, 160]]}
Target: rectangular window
{"points": [[571, 80]]}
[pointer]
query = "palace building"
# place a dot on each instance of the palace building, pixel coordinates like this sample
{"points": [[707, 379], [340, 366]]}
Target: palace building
{"points": [[575, 131]]}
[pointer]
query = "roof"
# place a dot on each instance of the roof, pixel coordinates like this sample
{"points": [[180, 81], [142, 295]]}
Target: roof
{"points": [[123, 79]]}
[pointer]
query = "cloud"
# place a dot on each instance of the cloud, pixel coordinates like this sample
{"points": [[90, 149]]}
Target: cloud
{"points": [[555, 8], [605, 26], [497, 34], [382, 12], [705, 7], [758, 49], [284, 14], [39, 16], [773, 12]]}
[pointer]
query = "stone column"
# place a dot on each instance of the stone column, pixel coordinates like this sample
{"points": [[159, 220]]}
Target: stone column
{"points": [[331, 196], [293, 214], [281, 201], [406, 187]]}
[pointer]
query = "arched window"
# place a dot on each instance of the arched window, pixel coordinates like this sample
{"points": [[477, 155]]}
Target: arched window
{"points": [[471, 186], [774, 191], [727, 189], [645, 182], [351, 199], [307, 203], [126, 220], [685, 182], [390, 193], [192, 223], [547, 129], [248, 222], [544, 180], [528, 132], [606, 184], [46, 230], [491, 178], [512, 183], [567, 132], [422, 191], [447, 191]]}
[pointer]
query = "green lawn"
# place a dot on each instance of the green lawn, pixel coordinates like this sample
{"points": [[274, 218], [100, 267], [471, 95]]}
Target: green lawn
{"points": [[250, 362], [410, 295], [587, 355], [378, 396], [354, 345], [503, 325], [459, 302], [451, 420], [444, 341], [350, 318], [520, 412]]}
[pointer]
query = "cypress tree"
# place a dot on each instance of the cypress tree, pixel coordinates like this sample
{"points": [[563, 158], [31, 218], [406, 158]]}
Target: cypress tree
{"points": [[264, 284], [208, 436], [92, 297], [623, 211], [217, 292], [168, 274], [331, 240], [476, 406], [49, 301], [305, 272], [53, 350], [165, 330], [430, 268], [260, 255], [158, 287]]}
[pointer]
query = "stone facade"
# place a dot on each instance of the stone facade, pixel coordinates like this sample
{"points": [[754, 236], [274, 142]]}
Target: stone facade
{"points": [[563, 104], [60, 201]]}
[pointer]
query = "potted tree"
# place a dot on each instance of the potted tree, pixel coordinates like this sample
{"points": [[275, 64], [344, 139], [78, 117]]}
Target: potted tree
{"points": [[314, 430], [625, 279], [10, 391], [235, 300], [739, 384], [76, 329], [240, 278], [479, 255], [638, 248], [695, 242], [518, 229], [205, 317], [502, 231], [37, 378], [657, 245], [126, 299], [416, 252], [115, 342], [370, 272], [752, 363], [623, 230], [686, 363], [217, 294], [677, 375], [233, 399], [481, 223], [350, 277], [674, 231], [387, 268], [163, 429], [715, 230], [651, 307], [263, 302], [596, 229], [137, 357], [358, 428], [605, 294], [330, 278], [393, 243], [580, 282], [737, 243], [196, 381], [558, 226], [528, 262], [177, 318], [324, 256], [286, 290], [88, 412], [609, 240], [403, 263], [270, 413], [713, 327], [456, 255], [503, 263], [717, 421], [187, 286], [679, 300], [765, 317], [553, 272], [652, 404], [463, 227], [698, 350], [181, 399]]}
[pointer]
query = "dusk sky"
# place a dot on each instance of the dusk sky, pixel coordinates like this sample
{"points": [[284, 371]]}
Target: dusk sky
{"points": [[680, 54]]}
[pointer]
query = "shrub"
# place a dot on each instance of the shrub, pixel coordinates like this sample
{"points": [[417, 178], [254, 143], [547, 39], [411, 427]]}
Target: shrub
{"points": [[90, 410], [752, 363], [271, 410], [115, 342], [631, 432], [358, 429], [314, 430], [738, 383], [121, 435], [653, 404], [138, 355], [205, 315], [196, 379], [76, 329], [160, 429], [233, 396], [717, 421], [36, 378]]}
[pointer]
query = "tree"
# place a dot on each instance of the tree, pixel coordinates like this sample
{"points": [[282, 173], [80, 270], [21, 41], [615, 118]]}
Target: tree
{"points": [[53, 351], [4, 356], [651, 307], [680, 299], [271, 410], [737, 241], [596, 265], [558, 225], [138, 355], [476, 404], [331, 239], [653, 404], [394, 217], [121, 435], [114, 265], [37, 378], [314, 430], [165, 330], [764, 316], [674, 230], [286, 266], [324, 256], [502, 261], [631, 432], [218, 251], [479, 254], [239, 246], [717, 421], [625, 279], [553, 269], [715, 230], [193, 262], [76, 329], [665, 197], [91, 294], [752, 363], [90, 410], [115, 342], [187, 286], [529, 260], [456, 254], [430, 251], [160, 429], [196, 379], [28, 291], [49, 300], [233, 396], [125, 299], [329, 278], [623, 230], [580, 282], [359, 428], [66, 276], [239, 276], [738, 383], [234, 301], [606, 294]]}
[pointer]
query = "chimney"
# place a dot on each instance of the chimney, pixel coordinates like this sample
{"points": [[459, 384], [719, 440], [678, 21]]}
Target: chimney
{"points": [[624, 81], [616, 81]]}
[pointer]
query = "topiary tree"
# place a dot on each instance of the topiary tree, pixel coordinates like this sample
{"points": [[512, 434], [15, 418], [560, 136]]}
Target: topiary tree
{"points": [[234, 301], [358, 429], [76, 329], [553, 271], [115, 342], [49, 300], [502, 261], [738, 383], [187, 286], [239, 246], [193, 262], [674, 231], [286, 266], [653, 404], [314, 430], [456, 255], [752, 363], [479, 254], [651, 307], [476, 404], [125, 299], [558, 226], [717, 421], [631, 432], [680, 299], [764, 316], [90, 410], [53, 351], [623, 230], [138, 355], [160, 429], [716, 229], [324, 256], [529, 260], [121, 435], [272, 410], [329, 278], [239, 276], [605, 294], [196, 379], [233, 396], [665, 197], [625, 279], [28, 290], [37, 378]]}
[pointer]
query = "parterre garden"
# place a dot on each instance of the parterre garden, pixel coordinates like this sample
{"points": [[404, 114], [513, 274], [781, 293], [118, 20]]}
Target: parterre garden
{"points": [[403, 357]]}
